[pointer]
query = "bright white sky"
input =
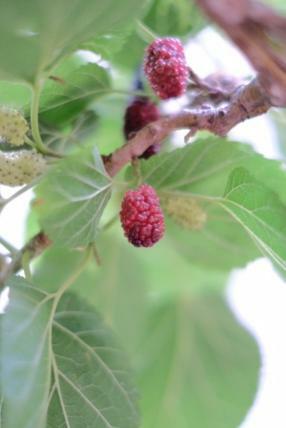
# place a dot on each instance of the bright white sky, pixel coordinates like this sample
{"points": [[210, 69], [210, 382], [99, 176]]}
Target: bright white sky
{"points": [[256, 293]]}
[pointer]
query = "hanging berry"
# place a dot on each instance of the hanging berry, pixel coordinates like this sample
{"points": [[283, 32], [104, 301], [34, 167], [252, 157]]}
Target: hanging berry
{"points": [[141, 217], [166, 68]]}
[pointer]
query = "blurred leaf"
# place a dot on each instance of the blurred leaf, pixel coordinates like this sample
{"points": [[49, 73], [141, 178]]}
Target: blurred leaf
{"points": [[196, 366], [259, 211], [91, 384], [15, 95], [34, 35], [277, 4], [25, 356], [221, 244], [72, 197], [76, 87], [127, 279], [109, 44], [167, 17]]}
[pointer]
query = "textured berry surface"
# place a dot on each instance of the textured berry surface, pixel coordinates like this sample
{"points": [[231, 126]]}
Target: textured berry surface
{"points": [[166, 68], [141, 217], [138, 114], [13, 126], [20, 167]]}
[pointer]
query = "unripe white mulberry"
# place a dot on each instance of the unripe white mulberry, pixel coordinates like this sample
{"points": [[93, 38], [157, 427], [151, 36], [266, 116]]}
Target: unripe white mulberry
{"points": [[13, 126], [20, 167], [185, 211]]}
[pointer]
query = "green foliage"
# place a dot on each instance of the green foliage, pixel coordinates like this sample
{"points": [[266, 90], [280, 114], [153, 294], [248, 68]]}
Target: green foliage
{"points": [[190, 355], [24, 356], [167, 17], [195, 361], [201, 170], [73, 196], [62, 363], [259, 211], [35, 35], [77, 85]]}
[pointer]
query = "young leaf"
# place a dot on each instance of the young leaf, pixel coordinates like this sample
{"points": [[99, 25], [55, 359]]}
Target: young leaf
{"points": [[197, 366], [72, 198], [78, 85], [259, 211], [24, 357]]}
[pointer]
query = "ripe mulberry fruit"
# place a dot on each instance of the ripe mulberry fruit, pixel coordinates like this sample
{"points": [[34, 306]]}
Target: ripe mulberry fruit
{"points": [[141, 217], [20, 167], [166, 68], [138, 114], [13, 126]]}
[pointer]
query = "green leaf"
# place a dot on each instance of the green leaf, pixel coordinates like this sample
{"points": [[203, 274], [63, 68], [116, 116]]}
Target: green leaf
{"points": [[201, 171], [78, 85], [259, 211], [91, 385], [34, 35], [25, 356], [197, 367], [74, 194], [167, 17], [221, 244], [202, 168], [59, 360]]}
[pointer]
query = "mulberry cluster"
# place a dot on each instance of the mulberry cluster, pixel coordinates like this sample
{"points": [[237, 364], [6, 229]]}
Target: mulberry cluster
{"points": [[140, 113], [166, 68], [13, 126], [20, 167], [141, 217]]}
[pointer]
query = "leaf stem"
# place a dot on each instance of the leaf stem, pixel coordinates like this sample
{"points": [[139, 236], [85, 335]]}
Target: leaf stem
{"points": [[35, 104]]}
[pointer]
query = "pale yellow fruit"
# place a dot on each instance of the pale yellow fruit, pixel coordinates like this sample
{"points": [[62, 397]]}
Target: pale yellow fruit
{"points": [[20, 167], [13, 126], [185, 211]]}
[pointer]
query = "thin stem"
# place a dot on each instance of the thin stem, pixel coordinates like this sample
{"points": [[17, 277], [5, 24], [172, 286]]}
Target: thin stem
{"points": [[8, 246], [21, 191], [35, 104]]}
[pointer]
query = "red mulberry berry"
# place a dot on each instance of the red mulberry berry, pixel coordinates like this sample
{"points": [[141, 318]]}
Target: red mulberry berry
{"points": [[166, 68], [138, 114], [141, 217]]}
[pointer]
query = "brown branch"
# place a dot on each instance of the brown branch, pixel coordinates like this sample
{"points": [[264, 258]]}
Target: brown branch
{"points": [[35, 247], [246, 101], [261, 35]]}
